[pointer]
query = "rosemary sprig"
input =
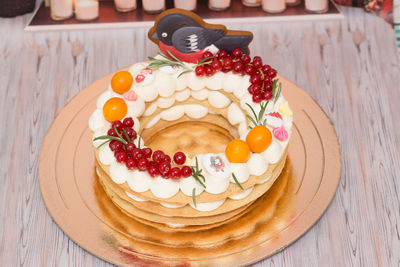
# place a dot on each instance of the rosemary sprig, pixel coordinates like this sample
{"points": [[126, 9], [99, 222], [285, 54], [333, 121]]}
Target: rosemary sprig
{"points": [[103, 144], [194, 196], [196, 174], [258, 119], [126, 135], [140, 138], [184, 72], [109, 138], [278, 93], [236, 181]]}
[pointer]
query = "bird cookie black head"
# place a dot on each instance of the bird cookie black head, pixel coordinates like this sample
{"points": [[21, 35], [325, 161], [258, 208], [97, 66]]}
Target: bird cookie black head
{"points": [[187, 36]]}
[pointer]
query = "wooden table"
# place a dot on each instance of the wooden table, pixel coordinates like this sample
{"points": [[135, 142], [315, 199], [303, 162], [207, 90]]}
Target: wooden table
{"points": [[351, 68]]}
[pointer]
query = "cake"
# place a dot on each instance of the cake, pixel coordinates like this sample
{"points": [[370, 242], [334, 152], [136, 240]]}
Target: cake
{"points": [[192, 138]]}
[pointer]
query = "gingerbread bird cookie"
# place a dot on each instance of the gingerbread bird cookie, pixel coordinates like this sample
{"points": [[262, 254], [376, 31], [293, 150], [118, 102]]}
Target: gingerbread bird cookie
{"points": [[187, 36]]}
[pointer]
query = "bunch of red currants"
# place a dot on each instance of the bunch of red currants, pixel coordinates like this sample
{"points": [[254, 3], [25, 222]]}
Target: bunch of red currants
{"points": [[261, 76], [144, 159]]}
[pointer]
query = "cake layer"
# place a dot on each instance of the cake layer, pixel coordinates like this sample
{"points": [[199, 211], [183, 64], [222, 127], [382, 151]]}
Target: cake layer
{"points": [[261, 211], [188, 211]]}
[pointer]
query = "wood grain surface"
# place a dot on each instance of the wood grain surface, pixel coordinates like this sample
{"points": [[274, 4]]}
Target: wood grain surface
{"points": [[351, 68]]}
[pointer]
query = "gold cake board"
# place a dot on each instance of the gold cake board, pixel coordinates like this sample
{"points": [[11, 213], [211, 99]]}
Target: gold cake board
{"points": [[78, 204]]}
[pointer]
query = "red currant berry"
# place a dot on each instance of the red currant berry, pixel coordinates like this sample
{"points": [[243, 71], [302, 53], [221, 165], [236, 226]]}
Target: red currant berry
{"points": [[257, 88], [227, 64], [111, 132], [158, 156], [266, 95], [207, 54], [222, 53], [251, 89], [147, 152], [167, 158], [128, 122], [267, 79], [272, 73], [164, 168], [200, 71], [179, 158], [153, 170], [130, 147], [137, 154], [249, 70], [216, 65], [268, 86], [121, 156], [238, 67], [142, 164], [237, 53], [257, 59], [130, 164], [175, 173], [117, 124], [115, 145], [209, 71], [186, 171], [265, 68], [257, 98], [255, 79], [246, 59]]}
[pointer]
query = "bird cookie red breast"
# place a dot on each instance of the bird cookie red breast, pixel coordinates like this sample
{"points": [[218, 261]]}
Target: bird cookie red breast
{"points": [[185, 35]]}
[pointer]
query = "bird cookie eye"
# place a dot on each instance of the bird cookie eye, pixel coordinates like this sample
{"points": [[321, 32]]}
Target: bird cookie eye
{"points": [[164, 34]]}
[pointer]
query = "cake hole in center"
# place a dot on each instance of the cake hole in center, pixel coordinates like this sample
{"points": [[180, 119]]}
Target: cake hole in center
{"points": [[190, 137]]}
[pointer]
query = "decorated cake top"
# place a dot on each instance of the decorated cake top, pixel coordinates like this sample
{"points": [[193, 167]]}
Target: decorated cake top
{"points": [[177, 83]]}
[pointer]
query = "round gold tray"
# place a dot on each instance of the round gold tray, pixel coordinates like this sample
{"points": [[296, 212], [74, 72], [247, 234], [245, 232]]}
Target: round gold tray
{"points": [[80, 207]]}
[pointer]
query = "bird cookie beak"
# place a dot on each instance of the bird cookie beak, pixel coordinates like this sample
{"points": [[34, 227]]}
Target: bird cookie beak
{"points": [[155, 36]]}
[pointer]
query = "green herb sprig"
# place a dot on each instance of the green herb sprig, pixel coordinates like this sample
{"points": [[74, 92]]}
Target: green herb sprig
{"points": [[257, 119], [196, 173], [108, 138], [237, 182], [194, 197]]}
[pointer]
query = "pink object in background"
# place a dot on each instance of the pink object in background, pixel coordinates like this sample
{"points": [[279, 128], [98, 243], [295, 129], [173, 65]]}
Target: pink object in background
{"points": [[219, 5], [61, 9], [153, 6], [273, 6], [86, 10], [125, 5], [130, 95], [251, 3], [186, 4], [316, 6]]}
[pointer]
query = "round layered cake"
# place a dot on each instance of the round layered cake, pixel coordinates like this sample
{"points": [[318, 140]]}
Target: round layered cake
{"points": [[199, 116], [191, 145]]}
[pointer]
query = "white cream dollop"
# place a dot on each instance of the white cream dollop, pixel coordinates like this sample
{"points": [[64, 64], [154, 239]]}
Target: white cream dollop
{"points": [[195, 83], [96, 120], [135, 197], [136, 108], [218, 100], [165, 84], [172, 206], [257, 164], [183, 95], [139, 181], [173, 113], [235, 114], [148, 93], [200, 95], [241, 172], [106, 156], [164, 188], [214, 82], [273, 153], [242, 194], [118, 173], [208, 206], [195, 111], [165, 102], [187, 185]]}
